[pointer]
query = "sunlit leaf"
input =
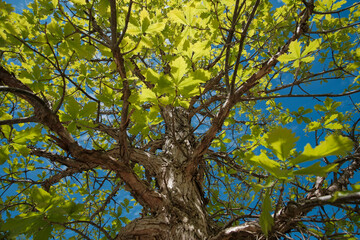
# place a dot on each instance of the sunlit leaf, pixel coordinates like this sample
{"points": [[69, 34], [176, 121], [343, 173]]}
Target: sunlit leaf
{"points": [[156, 27], [317, 170], [313, 46], [4, 153], [28, 134], [271, 166], [266, 220], [179, 68], [177, 16], [41, 198], [147, 95], [281, 141], [332, 145], [80, 2]]}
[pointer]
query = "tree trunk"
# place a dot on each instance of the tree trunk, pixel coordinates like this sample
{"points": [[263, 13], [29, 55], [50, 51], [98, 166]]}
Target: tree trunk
{"points": [[184, 214]]}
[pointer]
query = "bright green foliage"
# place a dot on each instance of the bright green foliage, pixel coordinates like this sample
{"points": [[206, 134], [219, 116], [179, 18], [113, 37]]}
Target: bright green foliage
{"points": [[282, 142], [266, 220], [296, 54], [257, 80], [49, 209], [332, 145]]}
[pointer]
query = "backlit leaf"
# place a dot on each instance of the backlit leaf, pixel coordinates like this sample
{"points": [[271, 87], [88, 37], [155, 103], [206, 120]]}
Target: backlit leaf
{"points": [[332, 145], [28, 134], [266, 220], [156, 27], [281, 141], [147, 95], [4, 153], [313, 46], [80, 2], [179, 68], [317, 170], [269, 165], [177, 16], [41, 198], [88, 109], [72, 107]]}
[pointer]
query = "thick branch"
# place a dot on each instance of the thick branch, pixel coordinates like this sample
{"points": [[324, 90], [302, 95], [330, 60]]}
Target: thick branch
{"points": [[143, 193], [120, 65], [42, 112], [287, 217]]}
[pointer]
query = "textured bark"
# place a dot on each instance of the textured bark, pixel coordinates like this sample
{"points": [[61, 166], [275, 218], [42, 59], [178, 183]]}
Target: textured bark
{"points": [[183, 215], [186, 208]]}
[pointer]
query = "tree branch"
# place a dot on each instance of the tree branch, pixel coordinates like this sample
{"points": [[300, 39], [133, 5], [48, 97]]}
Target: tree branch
{"points": [[224, 110], [18, 120], [300, 95], [241, 45], [143, 193]]}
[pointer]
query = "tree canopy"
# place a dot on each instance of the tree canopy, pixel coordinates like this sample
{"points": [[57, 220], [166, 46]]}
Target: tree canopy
{"points": [[203, 119]]}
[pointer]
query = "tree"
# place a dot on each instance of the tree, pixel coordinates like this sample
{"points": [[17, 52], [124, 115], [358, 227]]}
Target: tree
{"points": [[182, 110]]}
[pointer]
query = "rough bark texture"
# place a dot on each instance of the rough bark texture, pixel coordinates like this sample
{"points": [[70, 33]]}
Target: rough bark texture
{"points": [[183, 214]]}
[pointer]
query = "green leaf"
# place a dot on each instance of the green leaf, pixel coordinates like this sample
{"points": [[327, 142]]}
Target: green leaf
{"points": [[145, 21], [294, 52], [266, 220], [72, 107], [317, 170], [74, 42], [41, 198], [179, 68], [334, 126], [4, 154], [104, 7], [201, 75], [199, 49], [295, 49], [331, 118], [177, 16], [332, 145], [147, 95], [86, 51], [313, 46], [79, 2], [44, 233], [155, 28], [19, 225], [107, 96], [22, 149], [152, 76], [26, 135], [314, 126], [187, 86], [133, 29], [89, 109], [281, 141], [269, 165]]}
